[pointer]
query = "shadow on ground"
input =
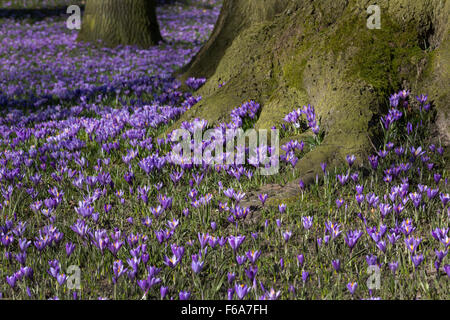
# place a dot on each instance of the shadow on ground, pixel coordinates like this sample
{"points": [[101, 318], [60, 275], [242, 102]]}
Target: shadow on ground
{"points": [[36, 14]]}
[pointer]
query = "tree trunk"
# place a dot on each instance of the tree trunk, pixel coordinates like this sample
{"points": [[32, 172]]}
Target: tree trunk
{"points": [[235, 16], [286, 54], [121, 22]]}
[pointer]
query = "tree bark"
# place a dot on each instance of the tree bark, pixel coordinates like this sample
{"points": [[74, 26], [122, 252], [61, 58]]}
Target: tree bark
{"points": [[286, 54], [120, 22], [235, 16]]}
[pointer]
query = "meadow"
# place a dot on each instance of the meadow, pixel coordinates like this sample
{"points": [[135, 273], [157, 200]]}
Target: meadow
{"points": [[94, 207]]}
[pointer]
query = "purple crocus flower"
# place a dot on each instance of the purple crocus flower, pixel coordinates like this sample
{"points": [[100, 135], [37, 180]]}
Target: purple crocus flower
{"points": [[437, 178], [307, 222], [393, 266], [447, 269], [24, 244], [11, 280], [184, 295], [229, 193], [230, 293], [118, 269], [339, 202], [371, 260], [333, 228], [241, 290], [300, 260], [305, 276], [235, 242], [203, 239], [163, 291], [251, 272], [253, 255], [287, 235], [336, 264], [440, 254], [373, 160], [412, 243], [70, 247], [272, 294], [263, 198], [382, 246], [351, 286], [417, 260], [197, 265], [231, 277], [61, 278], [350, 159], [301, 185], [352, 237], [445, 197], [241, 259]]}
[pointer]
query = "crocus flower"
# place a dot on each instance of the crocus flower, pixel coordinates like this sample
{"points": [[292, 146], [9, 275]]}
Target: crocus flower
{"points": [[241, 259], [393, 266], [241, 290], [272, 294], [70, 247], [11, 280], [447, 269], [197, 265], [440, 254], [437, 178], [339, 202], [263, 198], [230, 293], [235, 242], [336, 264], [118, 269], [445, 197], [351, 286], [231, 277], [412, 243], [333, 228], [373, 160], [253, 255], [251, 272], [184, 295], [301, 185], [382, 246], [300, 260], [371, 260], [287, 235], [163, 290], [417, 260], [307, 222], [305, 276], [323, 165], [61, 278], [350, 159]]}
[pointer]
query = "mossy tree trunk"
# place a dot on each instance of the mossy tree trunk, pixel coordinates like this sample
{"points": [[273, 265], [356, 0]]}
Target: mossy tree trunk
{"points": [[235, 16], [285, 54], [120, 22]]}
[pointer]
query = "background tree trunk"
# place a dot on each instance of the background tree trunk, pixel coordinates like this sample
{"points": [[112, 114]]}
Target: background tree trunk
{"points": [[120, 22], [286, 54]]}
